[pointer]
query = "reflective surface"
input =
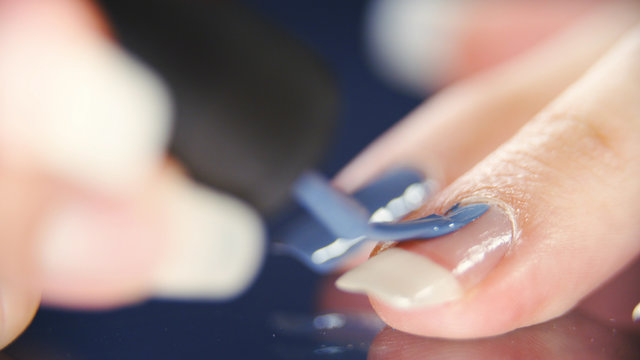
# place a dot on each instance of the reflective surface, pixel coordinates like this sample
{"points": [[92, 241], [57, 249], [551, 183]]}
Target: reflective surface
{"points": [[291, 314], [573, 336]]}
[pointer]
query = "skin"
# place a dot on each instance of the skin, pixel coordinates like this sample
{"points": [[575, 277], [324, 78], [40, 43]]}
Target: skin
{"points": [[567, 172], [31, 193], [572, 162]]}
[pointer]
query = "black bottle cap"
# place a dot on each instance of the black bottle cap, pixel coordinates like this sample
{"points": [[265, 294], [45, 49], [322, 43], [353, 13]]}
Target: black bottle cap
{"points": [[253, 107]]}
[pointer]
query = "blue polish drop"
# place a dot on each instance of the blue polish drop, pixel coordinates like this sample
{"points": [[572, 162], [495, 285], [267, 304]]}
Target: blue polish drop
{"points": [[430, 226]]}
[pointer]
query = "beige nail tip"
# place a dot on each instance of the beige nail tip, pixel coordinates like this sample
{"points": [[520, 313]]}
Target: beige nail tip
{"points": [[111, 121], [216, 246], [403, 280], [97, 116], [636, 313]]}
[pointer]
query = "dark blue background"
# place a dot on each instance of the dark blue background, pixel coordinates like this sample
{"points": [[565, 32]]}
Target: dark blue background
{"points": [[243, 329]]}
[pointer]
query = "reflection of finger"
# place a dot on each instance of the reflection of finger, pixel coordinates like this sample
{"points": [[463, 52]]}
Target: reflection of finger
{"points": [[539, 250], [449, 134], [93, 122], [573, 336], [612, 301], [22, 190], [177, 239]]}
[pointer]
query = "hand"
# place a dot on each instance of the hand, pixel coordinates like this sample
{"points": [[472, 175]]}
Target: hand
{"points": [[559, 169], [92, 213]]}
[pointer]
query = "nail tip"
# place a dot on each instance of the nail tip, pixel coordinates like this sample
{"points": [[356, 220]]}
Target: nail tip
{"points": [[97, 143], [218, 247], [402, 280]]}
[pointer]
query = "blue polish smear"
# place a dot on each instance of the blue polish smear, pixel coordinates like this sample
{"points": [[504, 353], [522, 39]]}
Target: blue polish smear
{"points": [[428, 227], [342, 221]]}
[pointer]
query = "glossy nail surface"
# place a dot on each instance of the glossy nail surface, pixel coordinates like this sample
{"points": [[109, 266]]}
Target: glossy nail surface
{"points": [[423, 273], [82, 108]]}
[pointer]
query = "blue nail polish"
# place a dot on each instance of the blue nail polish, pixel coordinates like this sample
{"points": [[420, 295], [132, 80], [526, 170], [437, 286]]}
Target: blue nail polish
{"points": [[388, 186], [430, 226], [464, 214], [340, 222]]}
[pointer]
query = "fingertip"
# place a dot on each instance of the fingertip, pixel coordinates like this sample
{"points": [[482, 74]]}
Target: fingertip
{"points": [[444, 286], [95, 253], [17, 307]]}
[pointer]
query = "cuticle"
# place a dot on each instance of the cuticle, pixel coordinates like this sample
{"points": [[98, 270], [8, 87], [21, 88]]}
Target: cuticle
{"points": [[507, 209], [381, 247]]}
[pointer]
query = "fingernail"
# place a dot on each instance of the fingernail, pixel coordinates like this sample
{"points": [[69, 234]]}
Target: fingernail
{"points": [[636, 313], [108, 119], [216, 245], [198, 244], [431, 272], [87, 111]]}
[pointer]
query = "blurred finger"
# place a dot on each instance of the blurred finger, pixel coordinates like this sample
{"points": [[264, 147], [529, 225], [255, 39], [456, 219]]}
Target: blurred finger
{"points": [[450, 133]]}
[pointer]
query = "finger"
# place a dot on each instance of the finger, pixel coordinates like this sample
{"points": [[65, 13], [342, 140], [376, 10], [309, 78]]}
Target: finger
{"points": [[563, 192], [66, 112], [91, 124], [18, 302], [72, 103], [23, 192], [453, 131], [176, 239]]}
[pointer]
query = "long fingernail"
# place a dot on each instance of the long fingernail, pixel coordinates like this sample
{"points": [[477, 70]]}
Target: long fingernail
{"points": [[108, 126], [423, 273], [87, 111], [216, 245]]}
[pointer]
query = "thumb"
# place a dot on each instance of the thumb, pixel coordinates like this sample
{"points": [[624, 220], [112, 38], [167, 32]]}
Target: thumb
{"points": [[562, 195]]}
